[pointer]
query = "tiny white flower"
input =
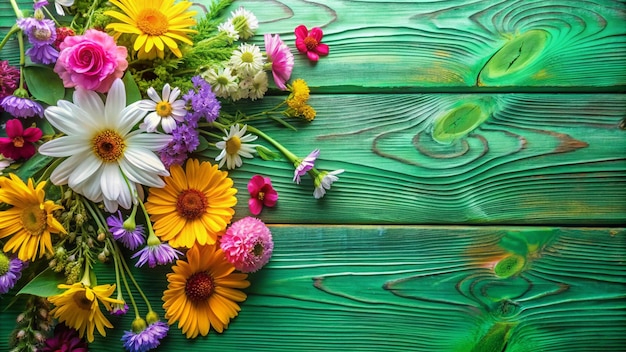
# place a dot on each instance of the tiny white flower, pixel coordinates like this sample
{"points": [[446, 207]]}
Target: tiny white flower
{"points": [[323, 181], [234, 147], [247, 59], [164, 110], [105, 160], [221, 80], [245, 22], [259, 85], [228, 28]]}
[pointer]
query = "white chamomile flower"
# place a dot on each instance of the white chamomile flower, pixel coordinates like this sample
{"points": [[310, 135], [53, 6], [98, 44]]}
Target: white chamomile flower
{"points": [[164, 109], [323, 181], [247, 59], [221, 80], [245, 22], [259, 85], [234, 147], [105, 160], [228, 28]]}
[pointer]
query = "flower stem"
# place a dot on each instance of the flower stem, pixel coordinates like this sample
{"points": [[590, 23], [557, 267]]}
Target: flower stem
{"points": [[292, 157], [13, 30], [132, 278], [18, 13]]}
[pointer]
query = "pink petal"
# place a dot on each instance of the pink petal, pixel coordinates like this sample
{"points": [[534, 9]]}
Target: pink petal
{"points": [[255, 184], [14, 128], [301, 46], [312, 56], [26, 151], [301, 32], [271, 197], [316, 33], [255, 206], [322, 49], [32, 134]]}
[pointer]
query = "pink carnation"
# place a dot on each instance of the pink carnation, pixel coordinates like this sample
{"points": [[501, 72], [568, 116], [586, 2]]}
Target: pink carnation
{"points": [[91, 61], [247, 244], [280, 56]]}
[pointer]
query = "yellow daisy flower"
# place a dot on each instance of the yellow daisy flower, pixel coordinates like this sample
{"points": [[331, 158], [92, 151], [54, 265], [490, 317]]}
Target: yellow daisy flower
{"points": [[155, 24], [196, 204], [78, 307], [203, 291], [30, 220]]}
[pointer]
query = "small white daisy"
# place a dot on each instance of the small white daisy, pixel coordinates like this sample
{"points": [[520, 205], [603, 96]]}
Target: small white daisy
{"points": [[323, 181], [105, 160], [228, 28], [221, 80], [245, 22], [234, 147], [247, 59], [166, 110], [259, 86]]}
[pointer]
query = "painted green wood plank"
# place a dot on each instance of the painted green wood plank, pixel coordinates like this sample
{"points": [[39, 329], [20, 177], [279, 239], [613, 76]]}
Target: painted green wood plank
{"points": [[7, 20], [375, 288], [439, 45], [535, 159]]}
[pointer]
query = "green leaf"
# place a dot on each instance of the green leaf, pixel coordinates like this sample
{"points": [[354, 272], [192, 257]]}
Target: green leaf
{"points": [[33, 166], [44, 84], [267, 154], [132, 91], [44, 284], [204, 144], [283, 122]]}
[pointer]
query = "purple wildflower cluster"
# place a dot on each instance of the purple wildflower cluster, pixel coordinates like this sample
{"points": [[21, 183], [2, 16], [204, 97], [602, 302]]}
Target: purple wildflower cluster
{"points": [[41, 34], [201, 104], [147, 339]]}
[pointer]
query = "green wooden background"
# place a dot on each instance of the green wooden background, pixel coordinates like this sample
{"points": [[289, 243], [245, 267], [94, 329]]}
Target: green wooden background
{"points": [[401, 254]]}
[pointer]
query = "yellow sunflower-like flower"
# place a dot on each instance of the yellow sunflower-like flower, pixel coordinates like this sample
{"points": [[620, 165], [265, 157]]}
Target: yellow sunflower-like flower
{"points": [[29, 220], [155, 24], [195, 205], [203, 291], [78, 307]]}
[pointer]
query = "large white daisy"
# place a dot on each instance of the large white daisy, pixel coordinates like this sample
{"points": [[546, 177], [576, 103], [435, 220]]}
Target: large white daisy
{"points": [[106, 160]]}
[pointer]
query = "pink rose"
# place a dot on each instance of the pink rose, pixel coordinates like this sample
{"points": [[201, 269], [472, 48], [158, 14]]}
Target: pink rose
{"points": [[91, 61]]}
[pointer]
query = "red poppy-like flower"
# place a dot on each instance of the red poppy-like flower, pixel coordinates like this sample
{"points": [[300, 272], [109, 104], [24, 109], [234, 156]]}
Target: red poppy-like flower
{"points": [[19, 142], [309, 42], [261, 193]]}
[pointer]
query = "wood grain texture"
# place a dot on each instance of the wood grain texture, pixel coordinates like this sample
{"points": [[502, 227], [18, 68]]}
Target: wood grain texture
{"points": [[531, 159], [458, 44], [377, 288]]}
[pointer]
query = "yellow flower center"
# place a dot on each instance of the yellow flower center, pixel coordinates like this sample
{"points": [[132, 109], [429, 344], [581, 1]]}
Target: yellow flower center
{"points": [[18, 142], [199, 287], [222, 80], [164, 109], [261, 196], [34, 219], [152, 22], [81, 300], [109, 146], [233, 144], [247, 57], [191, 204]]}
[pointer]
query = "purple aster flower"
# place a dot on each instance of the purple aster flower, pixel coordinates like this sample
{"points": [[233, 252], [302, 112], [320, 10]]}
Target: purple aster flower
{"points": [[44, 54], [146, 339], [65, 339], [305, 165], [126, 232], [39, 31], [156, 254], [202, 102], [39, 4], [9, 79], [119, 309], [19, 105], [185, 140], [10, 272]]}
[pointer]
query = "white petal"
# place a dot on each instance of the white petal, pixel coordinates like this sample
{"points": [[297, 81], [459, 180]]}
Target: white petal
{"points": [[64, 120], [153, 95], [90, 102], [128, 118], [248, 138], [64, 146], [173, 95], [144, 160], [110, 205], [140, 176], [169, 124], [147, 104], [151, 122], [62, 172], [116, 102], [150, 141], [85, 170], [166, 92], [91, 187]]}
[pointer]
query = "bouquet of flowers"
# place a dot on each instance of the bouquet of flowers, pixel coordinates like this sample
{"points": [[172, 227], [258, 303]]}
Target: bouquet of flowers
{"points": [[119, 120]]}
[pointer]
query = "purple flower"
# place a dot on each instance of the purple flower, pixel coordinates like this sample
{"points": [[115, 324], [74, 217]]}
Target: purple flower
{"points": [[305, 165], [247, 244], [126, 232], [156, 254], [119, 309], [146, 339], [39, 4], [44, 54], [10, 272], [65, 339], [184, 141], [19, 105], [202, 102], [39, 31]]}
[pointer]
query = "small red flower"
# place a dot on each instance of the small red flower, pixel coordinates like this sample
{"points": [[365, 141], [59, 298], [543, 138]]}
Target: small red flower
{"points": [[62, 33], [309, 42], [261, 193], [19, 142]]}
